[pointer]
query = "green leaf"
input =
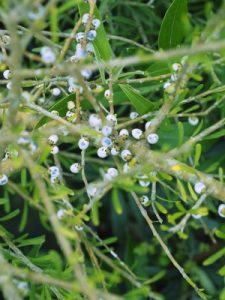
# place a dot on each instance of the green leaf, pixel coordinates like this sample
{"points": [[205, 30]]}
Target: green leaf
{"points": [[222, 271], [60, 107], [182, 190], [10, 216], [116, 202], [180, 133], [95, 214], [161, 208], [34, 241], [198, 151], [173, 28], [141, 104], [213, 258]]}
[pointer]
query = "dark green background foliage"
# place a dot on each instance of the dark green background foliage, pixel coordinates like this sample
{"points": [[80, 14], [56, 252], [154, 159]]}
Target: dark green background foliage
{"points": [[116, 218]]}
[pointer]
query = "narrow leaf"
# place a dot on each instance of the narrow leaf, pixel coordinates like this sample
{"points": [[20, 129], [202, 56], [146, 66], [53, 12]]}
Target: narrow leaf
{"points": [[173, 28]]}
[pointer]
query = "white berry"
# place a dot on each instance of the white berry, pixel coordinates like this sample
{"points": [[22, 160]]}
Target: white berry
{"points": [[193, 121], [133, 115], [83, 144], [221, 210], [152, 138], [80, 36], [199, 187], [106, 142], [90, 48], [47, 55], [79, 227], [91, 35], [85, 18], [126, 155], [147, 125], [96, 23], [124, 132], [111, 119], [95, 121], [108, 94], [56, 92], [176, 67], [114, 151], [55, 150], [144, 200], [60, 213], [143, 181], [91, 190], [106, 130], [102, 152], [75, 168], [54, 171], [7, 74], [136, 133], [112, 172], [3, 179], [53, 139]]}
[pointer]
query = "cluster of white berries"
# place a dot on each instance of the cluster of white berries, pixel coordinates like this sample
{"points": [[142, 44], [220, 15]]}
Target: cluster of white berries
{"points": [[169, 86], [111, 174], [52, 140], [54, 174]]}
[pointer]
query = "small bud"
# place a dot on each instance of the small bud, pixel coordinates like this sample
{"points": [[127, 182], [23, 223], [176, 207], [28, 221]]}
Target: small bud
{"points": [[106, 130]]}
